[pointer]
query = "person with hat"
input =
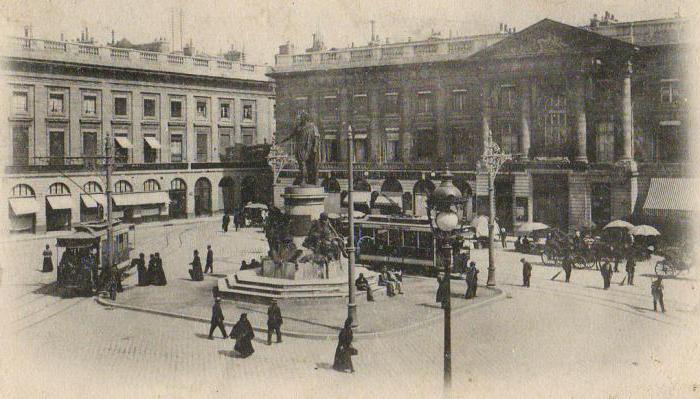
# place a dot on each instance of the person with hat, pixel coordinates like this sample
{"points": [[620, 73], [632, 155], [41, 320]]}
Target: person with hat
{"points": [[342, 360], [243, 333], [527, 272], [196, 271], [630, 267], [159, 272], [471, 279], [209, 266], [140, 264], [657, 291], [217, 319], [606, 272], [274, 322]]}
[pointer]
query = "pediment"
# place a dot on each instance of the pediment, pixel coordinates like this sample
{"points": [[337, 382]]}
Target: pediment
{"points": [[549, 37]]}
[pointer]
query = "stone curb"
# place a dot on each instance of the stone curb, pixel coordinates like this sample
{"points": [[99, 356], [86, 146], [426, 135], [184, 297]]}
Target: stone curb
{"points": [[500, 294]]}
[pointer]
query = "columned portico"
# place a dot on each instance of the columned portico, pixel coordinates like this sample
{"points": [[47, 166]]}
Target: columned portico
{"points": [[626, 109], [406, 121], [525, 96], [441, 120], [579, 99], [485, 111], [344, 123], [375, 134]]}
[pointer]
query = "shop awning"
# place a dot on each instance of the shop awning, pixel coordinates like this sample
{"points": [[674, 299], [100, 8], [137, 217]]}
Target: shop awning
{"points": [[59, 201], [134, 199], [24, 206], [384, 200], [91, 200], [123, 142], [358, 197], [672, 195], [152, 142]]}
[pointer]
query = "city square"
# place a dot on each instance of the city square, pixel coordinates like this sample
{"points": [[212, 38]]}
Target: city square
{"points": [[506, 213]]}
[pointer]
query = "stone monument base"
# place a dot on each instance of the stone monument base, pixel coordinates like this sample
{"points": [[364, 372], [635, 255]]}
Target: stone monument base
{"points": [[301, 270]]}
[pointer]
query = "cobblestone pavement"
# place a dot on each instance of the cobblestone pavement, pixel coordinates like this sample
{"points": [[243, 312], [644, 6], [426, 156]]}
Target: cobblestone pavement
{"points": [[551, 340]]}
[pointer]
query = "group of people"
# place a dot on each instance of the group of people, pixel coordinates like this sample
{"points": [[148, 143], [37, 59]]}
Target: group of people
{"points": [[154, 274], [242, 331], [238, 220], [471, 277], [392, 280], [196, 272]]}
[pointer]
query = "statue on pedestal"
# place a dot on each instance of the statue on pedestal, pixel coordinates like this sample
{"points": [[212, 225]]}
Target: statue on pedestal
{"points": [[306, 149], [324, 241], [279, 238]]}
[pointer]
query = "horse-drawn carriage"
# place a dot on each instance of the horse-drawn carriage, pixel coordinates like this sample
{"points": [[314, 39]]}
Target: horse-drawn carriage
{"points": [[675, 261]]}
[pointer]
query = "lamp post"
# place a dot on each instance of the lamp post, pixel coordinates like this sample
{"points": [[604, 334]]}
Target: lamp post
{"points": [[444, 218], [352, 307], [491, 161]]}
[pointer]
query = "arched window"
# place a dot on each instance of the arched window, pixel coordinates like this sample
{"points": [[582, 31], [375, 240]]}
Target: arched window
{"points": [[58, 189], [123, 186], [423, 187], [178, 184], [151, 185], [391, 185], [92, 187], [22, 190]]}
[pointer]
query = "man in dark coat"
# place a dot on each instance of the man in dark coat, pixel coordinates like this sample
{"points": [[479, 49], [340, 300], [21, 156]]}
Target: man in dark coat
{"points": [[209, 266], [606, 272], [342, 360], [225, 221], [217, 319], [504, 236], [657, 291], [441, 294], [196, 271], [159, 272], [140, 264], [48, 261], [629, 268], [566, 265], [274, 322], [243, 333], [362, 284], [527, 272]]}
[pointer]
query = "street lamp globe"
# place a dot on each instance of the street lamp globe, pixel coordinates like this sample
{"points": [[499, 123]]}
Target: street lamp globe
{"points": [[447, 221]]}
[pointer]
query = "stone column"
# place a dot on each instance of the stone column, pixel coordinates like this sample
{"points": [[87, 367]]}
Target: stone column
{"points": [[441, 99], [627, 128], [580, 115], [375, 134], [485, 112], [525, 118], [406, 123], [342, 135]]}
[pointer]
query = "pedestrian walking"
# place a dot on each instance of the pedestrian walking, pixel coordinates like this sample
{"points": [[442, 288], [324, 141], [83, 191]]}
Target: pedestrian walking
{"points": [[238, 219], [629, 268], [503, 237], [441, 293], [566, 265], [527, 272], [225, 221], [210, 260], [274, 322], [243, 333], [606, 272], [151, 271], [469, 279], [196, 271], [657, 292], [140, 265], [342, 360], [217, 319], [47, 266], [475, 281]]}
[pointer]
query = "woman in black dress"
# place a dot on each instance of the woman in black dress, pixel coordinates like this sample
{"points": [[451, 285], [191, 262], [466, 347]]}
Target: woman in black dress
{"points": [[243, 333], [344, 350], [48, 262]]}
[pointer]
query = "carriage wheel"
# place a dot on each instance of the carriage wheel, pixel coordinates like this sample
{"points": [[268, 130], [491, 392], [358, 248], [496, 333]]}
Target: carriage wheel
{"points": [[663, 268], [580, 262], [547, 258]]}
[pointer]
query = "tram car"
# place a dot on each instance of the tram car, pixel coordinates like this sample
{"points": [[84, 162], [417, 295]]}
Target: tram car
{"points": [[404, 242], [83, 251]]}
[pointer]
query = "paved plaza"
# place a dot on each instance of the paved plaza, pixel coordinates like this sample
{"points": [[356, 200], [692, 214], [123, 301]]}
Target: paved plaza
{"points": [[550, 340]]}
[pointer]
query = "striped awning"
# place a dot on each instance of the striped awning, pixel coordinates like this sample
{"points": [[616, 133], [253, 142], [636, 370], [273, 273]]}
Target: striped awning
{"points": [[146, 198], [92, 200], [59, 201], [672, 195], [24, 206]]}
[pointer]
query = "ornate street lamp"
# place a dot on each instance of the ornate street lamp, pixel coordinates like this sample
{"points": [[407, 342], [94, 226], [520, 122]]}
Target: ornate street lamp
{"points": [[491, 161], [445, 206], [278, 159]]}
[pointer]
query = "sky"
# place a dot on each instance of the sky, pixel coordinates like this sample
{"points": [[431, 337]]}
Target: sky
{"points": [[260, 26]]}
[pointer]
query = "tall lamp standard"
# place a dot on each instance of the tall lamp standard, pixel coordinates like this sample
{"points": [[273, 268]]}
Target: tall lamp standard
{"points": [[352, 307], [444, 206], [491, 161]]}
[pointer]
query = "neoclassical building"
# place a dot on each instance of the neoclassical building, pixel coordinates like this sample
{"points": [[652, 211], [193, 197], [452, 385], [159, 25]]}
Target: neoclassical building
{"points": [[595, 118], [170, 117]]}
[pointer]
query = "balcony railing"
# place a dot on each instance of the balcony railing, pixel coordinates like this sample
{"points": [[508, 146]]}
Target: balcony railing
{"points": [[103, 55], [75, 165]]}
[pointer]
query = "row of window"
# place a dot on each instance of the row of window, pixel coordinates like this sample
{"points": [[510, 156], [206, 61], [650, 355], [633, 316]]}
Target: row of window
{"points": [[121, 105], [92, 187], [122, 144], [461, 100]]}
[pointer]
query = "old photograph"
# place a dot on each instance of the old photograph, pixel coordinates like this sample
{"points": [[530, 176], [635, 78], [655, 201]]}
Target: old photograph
{"points": [[349, 199]]}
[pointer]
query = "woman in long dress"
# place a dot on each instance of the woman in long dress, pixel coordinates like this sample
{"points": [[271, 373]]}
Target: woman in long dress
{"points": [[243, 333], [48, 262], [344, 350]]}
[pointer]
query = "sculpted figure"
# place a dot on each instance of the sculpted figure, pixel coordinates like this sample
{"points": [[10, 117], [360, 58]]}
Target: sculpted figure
{"points": [[306, 148]]}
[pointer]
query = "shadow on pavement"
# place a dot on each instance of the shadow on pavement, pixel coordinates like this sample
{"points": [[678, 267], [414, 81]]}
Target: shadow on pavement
{"points": [[323, 366]]}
